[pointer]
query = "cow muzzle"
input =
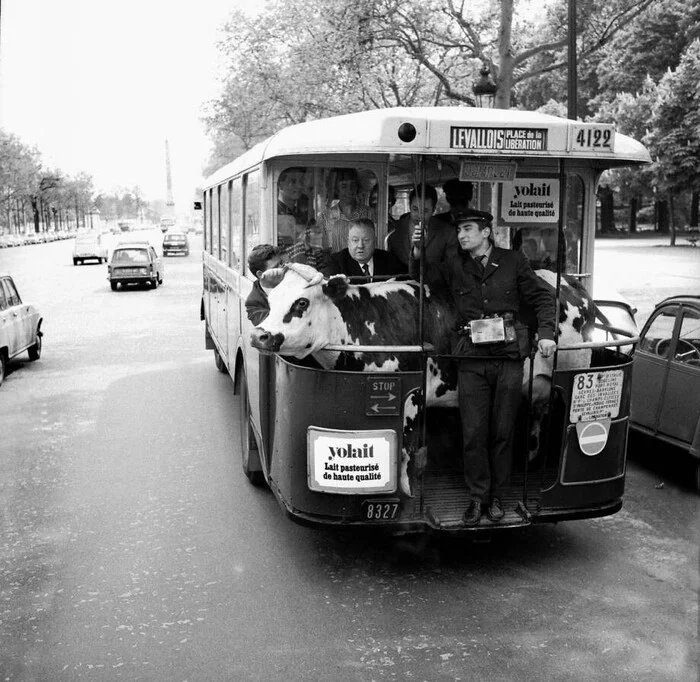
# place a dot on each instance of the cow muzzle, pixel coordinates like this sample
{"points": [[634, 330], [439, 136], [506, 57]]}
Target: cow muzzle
{"points": [[265, 341]]}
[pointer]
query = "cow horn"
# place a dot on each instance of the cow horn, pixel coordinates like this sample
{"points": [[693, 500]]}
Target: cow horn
{"points": [[306, 272], [272, 277]]}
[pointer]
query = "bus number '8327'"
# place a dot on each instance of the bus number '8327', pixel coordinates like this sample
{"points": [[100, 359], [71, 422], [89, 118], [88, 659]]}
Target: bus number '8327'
{"points": [[380, 511]]}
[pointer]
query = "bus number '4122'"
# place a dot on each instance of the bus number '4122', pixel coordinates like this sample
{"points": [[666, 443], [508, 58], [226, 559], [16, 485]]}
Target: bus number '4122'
{"points": [[594, 138]]}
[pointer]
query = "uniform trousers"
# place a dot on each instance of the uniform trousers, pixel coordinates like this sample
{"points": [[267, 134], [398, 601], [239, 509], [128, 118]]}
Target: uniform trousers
{"points": [[489, 397]]}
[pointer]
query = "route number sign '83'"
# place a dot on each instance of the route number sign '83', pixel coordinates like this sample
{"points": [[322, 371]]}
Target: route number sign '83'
{"points": [[596, 395]]}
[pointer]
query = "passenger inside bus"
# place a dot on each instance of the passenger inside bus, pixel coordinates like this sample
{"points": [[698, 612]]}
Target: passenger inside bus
{"points": [[458, 195], [391, 201], [343, 207], [310, 246], [361, 258], [399, 241], [292, 204]]}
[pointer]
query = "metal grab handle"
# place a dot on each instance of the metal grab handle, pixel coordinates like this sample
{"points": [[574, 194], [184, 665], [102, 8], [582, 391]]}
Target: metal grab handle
{"points": [[427, 348]]}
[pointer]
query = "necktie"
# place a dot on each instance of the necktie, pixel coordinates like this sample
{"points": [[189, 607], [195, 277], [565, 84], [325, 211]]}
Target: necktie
{"points": [[365, 270]]}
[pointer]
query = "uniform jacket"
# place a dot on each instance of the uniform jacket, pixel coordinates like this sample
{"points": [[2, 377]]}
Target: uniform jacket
{"points": [[342, 263], [507, 285]]}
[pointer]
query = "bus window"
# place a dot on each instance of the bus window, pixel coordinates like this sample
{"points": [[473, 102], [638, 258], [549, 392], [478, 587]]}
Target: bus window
{"points": [[207, 221], [224, 222], [236, 197], [292, 204], [214, 215], [540, 243], [315, 208], [346, 199], [573, 224], [251, 203]]}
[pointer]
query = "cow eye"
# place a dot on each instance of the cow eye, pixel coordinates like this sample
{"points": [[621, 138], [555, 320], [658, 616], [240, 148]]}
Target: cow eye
{"points": [[303, 303]]}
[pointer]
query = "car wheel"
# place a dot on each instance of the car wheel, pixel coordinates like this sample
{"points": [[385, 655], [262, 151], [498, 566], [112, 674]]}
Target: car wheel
{"points": [[249, 448], [3, 366], [113, 285], [75, 261], [35, 350]]}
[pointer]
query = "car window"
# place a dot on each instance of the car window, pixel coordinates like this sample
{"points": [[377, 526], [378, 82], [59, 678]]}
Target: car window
{"points": [[3, 298], [657, 339], [688, 346], [11, 292], [130, 256]]}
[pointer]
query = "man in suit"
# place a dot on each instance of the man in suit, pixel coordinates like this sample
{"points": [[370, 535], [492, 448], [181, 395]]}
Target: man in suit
{"points": [[441, 236], [361, 258], [421, 209]]}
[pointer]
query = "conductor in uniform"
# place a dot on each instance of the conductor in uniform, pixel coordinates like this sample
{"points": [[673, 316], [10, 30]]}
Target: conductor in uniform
{"points": [[491, 287]]}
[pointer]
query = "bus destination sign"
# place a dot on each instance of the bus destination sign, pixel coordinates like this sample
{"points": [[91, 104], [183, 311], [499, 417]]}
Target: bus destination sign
{"points": [[491, 171], [498, 139]]}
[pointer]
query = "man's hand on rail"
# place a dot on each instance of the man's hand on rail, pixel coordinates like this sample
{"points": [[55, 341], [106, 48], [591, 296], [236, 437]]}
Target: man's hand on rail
{"points": [[546, 347]]}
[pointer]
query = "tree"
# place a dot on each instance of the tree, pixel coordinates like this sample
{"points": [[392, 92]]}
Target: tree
{"points": [[674, 135], [19, 169], [308, 59]]}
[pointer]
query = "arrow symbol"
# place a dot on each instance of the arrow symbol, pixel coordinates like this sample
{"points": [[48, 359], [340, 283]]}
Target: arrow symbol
{"points": [[388, 397], [377, 408]]}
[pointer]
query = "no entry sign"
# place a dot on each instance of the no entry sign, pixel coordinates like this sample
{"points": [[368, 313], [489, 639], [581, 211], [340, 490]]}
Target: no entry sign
{"points": [[592, 436]]}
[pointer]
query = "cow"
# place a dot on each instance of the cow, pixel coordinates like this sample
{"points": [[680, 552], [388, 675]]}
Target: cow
{"points": [[308, 313]]}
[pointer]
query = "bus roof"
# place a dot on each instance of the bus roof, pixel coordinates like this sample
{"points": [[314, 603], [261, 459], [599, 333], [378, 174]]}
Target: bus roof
{"points": [[460, 131]]}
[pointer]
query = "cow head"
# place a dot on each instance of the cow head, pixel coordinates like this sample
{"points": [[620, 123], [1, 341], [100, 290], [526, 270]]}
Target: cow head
{"points": [[302, 316]]}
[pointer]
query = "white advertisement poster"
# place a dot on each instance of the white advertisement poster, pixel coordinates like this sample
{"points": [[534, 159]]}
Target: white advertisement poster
{"points": [[351, 462], [530, 200]]}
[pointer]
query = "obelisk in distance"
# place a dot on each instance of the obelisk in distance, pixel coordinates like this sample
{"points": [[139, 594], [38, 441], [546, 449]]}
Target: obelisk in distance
{"points": [[169, 200]]}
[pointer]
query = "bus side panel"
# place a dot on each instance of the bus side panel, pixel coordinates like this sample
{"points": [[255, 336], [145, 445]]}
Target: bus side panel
{"points": [[590, 483], [233, 316], [303, 397]]}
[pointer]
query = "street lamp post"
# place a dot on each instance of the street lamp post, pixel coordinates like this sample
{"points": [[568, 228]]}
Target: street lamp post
{"points": [[485, 89]]}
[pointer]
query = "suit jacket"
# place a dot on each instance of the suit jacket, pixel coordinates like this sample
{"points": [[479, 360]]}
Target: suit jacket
{"points": [[440, 239], [507, 285], [257, 307], [342, 263]]}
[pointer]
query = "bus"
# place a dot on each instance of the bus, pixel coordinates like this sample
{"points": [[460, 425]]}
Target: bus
{"points": [[537, 175]]}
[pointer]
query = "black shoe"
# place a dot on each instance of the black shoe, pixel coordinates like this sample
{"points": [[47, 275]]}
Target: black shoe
{"points": [[473, 514], [495, 511]]}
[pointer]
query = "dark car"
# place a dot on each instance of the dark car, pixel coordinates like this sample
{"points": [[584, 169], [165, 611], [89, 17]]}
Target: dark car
{"points": [[176, 242], [666, 383], [135, 263]]}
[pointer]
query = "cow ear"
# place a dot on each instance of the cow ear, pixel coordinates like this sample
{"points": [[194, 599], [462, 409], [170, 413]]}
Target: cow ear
{"points": [[336, 287], [272, 277]]}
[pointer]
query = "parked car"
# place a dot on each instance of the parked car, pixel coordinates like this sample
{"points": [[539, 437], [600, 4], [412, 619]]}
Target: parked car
{"points": [[176, 242], [20, 326], [666, 381], [89, 247], [135, 263]]}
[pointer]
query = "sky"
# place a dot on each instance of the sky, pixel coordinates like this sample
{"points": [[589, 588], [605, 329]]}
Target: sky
{"points": [[98, 86]]}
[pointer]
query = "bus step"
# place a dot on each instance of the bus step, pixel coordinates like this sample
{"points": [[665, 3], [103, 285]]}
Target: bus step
{"points": [[445, 499]]}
